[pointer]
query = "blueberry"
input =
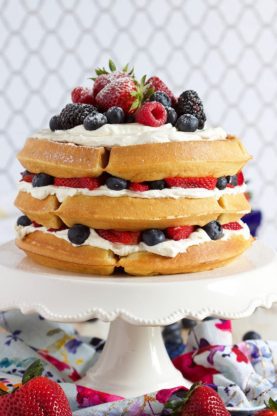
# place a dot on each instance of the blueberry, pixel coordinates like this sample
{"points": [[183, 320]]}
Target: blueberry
{"points": [[78, 234], [251, 335], [24, 221], [214, 230], [232, 180], [115, 115], [42, 179], [221, 183], [94, 120], [55, 123], [116, 184], [171, 115], [161, 97], [187, 122], [152, 237], [157, 184]]}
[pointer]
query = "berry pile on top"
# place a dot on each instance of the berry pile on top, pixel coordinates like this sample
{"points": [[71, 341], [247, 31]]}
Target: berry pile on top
{"points": [[117, 97]]}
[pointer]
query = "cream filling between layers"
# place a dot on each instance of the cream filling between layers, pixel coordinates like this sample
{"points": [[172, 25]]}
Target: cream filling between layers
{"points": [[168, 248], [128, 134], [62, 192]]}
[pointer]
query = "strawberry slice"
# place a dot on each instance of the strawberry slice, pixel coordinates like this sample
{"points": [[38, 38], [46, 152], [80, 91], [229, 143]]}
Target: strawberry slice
{"points": [[86, 182], [232, 226], [240, 178], [208, 182], [138, 187], [27, 176], [36, 225], [123, 237], [180, 233]]}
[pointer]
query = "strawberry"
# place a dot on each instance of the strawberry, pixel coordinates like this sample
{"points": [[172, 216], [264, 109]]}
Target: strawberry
{"points": [[38, 396], [86, 182], [208, 182], [81, 95], [240, 178], [232, 226], [36, 225], [158, 85], [123, 237], [138, 187], [27, 176], [271, 409], [152, 114], [118, 93], [203, 401], [180, 233]]}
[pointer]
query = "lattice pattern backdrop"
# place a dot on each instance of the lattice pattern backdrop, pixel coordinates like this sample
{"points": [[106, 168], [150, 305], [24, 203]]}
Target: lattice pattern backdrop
{"points": [[224, 49]]}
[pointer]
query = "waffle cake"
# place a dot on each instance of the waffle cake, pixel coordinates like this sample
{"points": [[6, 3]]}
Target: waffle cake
{"points": [[128, 177]]}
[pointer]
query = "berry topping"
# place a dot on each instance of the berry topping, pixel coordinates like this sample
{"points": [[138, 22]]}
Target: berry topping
{"points": [[27, 176], [24, 221], [42, 179], [270, 410], [214, 230], [85, 182], [240, 178], [74, 114], [123, 237], [81, 95], [180, 233], [232, 181], [78, 234], [221, 183], [251, 335], [158, 85], [207, 182], [138, 187], [152, 114], [94, 121], [232, 226], [152, 237], [116, 184], [161, 97], [171, 115], [190, 103], [161, 184], [130, 118], [187, 122], [55, 123], [115, 115]]}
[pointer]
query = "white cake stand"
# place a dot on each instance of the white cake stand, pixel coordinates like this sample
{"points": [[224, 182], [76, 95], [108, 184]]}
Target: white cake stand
{"points": [[134, 360]]}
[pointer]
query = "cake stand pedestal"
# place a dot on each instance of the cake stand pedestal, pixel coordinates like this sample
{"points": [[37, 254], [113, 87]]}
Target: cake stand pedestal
{"points": [[134, 360]]}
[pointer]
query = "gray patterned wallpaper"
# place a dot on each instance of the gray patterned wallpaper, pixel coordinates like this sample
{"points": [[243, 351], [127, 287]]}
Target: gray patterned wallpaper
{"points": [[225, 49]]}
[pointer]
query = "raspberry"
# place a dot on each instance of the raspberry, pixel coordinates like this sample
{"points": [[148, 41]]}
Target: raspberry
{"points": [[152, 114], [232, 226], [86, 182], [180, 233], [190, 103], [158, 85], [208, 182], [82, 95], [240, 178], [123, 237], [138, 187]]}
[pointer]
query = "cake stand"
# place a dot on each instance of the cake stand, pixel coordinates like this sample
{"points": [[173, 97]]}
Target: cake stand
{"points": [[134, 360]]}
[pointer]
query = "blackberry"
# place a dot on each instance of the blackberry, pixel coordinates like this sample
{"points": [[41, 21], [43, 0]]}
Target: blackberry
{"points": [[190, 103], [74, 114]]}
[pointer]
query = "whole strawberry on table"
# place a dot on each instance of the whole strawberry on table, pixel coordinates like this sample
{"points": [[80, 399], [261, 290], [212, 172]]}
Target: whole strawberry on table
{"points": [[37, 396]]}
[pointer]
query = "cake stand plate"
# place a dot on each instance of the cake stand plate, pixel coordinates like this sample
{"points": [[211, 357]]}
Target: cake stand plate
{"points": [[134, 360]]}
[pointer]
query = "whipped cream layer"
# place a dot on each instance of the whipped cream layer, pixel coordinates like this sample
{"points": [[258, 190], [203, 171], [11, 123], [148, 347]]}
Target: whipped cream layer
{"points": [[168, 248], [63, 192], [127, 135]]}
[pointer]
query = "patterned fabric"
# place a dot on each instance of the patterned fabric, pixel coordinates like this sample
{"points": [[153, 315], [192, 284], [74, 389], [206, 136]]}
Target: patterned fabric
{"points": [[244, 375]]}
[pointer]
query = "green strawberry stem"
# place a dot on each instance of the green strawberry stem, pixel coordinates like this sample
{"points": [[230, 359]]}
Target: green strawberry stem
{"points": [[272, 405], [34, 370], [113, 68]]}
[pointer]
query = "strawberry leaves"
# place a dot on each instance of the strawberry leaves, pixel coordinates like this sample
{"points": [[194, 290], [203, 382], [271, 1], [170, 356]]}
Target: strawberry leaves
{"points": [[34, 370]]}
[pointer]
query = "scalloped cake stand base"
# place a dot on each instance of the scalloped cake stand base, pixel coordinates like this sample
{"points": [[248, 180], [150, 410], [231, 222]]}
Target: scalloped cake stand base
{"points": [[134, 360]]}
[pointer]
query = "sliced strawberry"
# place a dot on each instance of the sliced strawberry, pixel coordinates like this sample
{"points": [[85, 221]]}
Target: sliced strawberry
{"points": [[208, 182], [86, 182], [123, 237], [240, 178], [232, 226], [27, 176], [180, 233], [158, 85], [36, 225], [138, 187]]}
